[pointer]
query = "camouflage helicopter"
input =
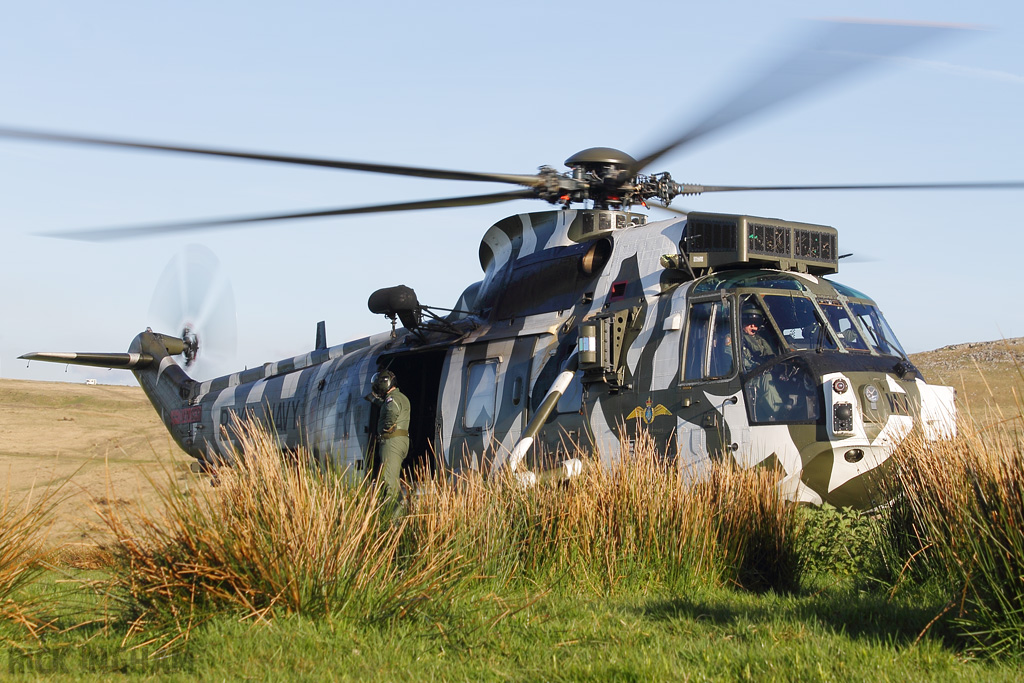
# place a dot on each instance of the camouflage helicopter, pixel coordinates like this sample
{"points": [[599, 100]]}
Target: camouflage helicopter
{"points": [[720, 335]]}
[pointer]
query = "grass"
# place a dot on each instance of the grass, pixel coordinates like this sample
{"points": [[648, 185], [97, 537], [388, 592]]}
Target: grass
{"points": [[24, 523], [626, 574], [637, 522], [275, 536], [704, 634], [962, 508]]}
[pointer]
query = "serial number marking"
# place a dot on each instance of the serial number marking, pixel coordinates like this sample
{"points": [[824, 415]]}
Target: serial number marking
{"points": [[189, 415]]}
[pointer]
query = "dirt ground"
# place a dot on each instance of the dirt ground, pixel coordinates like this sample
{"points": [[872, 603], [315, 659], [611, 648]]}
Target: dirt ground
{"points": [[103, 445]]}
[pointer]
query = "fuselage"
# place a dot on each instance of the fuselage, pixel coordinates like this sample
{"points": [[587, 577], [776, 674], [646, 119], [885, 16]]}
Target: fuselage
{"points": [[823, 394]]}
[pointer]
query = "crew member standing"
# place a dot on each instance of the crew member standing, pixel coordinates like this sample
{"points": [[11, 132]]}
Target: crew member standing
{"points": [[392, 429]]}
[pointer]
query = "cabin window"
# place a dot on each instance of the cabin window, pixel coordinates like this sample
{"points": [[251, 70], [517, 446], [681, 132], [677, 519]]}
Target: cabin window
{"points": [[879, 333], [708, 354], [759, 343], [800, 323], [481, 386], [843, 325]]}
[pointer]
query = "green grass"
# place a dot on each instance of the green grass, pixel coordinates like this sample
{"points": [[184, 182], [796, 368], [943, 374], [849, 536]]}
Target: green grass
{"points": [[24, 523], [622, 575], [567, 634]]}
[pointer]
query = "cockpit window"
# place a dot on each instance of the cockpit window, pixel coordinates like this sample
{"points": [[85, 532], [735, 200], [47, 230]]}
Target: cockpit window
{"points": [[758, 341], [800, 323], [848, 292], [879, 333], [708, 353], [844, 327], [757, 278], [783, 392]]}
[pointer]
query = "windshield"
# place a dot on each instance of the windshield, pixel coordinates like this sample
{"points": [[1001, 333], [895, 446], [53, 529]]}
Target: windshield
{"points": [[799, 321], [879, 333], [756, 278], [787, 314]]}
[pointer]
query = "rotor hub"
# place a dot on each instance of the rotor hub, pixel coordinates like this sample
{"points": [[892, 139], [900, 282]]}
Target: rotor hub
{"points": [[191, 341], [606, 174], [601, 157]]}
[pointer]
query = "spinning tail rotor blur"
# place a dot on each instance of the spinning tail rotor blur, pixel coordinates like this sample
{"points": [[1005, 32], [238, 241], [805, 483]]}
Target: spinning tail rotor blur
{"points": [[194, 299]]}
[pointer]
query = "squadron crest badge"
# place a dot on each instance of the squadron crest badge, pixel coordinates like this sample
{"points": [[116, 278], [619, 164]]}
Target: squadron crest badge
{"points": [[648, 412]]}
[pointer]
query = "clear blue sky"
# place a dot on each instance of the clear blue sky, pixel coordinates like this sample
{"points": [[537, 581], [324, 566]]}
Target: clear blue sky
{"points": [[478, 86]]}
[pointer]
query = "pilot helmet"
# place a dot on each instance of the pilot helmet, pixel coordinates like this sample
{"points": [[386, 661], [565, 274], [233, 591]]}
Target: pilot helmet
{"points": [[383, 382], [752, 314]]}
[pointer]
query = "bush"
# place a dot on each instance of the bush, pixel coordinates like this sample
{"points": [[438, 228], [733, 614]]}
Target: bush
{"points": [[638, 521], [275, 534], [838, 541]]}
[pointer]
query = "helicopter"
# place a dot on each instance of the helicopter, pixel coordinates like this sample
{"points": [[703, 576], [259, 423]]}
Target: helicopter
{"points": [[719, 335]]}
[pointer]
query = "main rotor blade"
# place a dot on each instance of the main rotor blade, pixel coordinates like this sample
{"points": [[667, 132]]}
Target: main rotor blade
{"points": [[980, 185], [391, 169], [108, 234], [834, 51]]}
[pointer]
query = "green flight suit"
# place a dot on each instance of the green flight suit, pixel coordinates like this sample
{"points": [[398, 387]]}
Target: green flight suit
{"points": [[767, 401], [393, 439]]}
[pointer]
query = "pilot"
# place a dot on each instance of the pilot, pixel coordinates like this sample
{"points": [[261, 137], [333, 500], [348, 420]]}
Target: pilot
{"points": [[756, 351], [392, 430]]}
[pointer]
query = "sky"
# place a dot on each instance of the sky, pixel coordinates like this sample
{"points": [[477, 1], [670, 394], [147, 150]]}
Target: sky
{"points": [[499, 87]]}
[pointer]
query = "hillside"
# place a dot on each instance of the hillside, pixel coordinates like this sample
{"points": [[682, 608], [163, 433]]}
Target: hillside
{"points": [[988, 376]]}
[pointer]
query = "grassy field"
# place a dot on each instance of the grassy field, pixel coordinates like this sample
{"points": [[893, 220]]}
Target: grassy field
{"points": [[98, 441], [839, 634], [260, 577]]}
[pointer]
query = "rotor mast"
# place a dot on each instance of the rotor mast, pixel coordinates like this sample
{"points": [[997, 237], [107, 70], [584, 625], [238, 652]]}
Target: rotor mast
{"points": [[609, 178]]}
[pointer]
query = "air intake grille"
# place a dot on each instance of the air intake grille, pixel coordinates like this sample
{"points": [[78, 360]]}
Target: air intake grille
{"points": [[815, 246], [718, 241], [772, 240], [705, 235]]}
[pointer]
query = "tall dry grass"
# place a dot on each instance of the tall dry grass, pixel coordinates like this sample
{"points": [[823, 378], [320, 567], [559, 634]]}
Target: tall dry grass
{"points": [[961, 504], [275, 534], [641, 520], [24, 524], [278, 534]]}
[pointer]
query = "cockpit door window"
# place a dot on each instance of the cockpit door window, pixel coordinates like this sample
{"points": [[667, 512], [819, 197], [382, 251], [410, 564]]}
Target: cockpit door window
{"points": [[708, 354], [759, 342]]}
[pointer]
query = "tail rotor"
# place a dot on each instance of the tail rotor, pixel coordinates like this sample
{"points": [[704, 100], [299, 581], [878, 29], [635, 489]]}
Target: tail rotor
{"points": [[194, 298]]}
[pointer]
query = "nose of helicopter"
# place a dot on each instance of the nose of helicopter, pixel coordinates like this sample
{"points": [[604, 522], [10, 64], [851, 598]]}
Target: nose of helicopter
{"points": [[867, 417]]}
